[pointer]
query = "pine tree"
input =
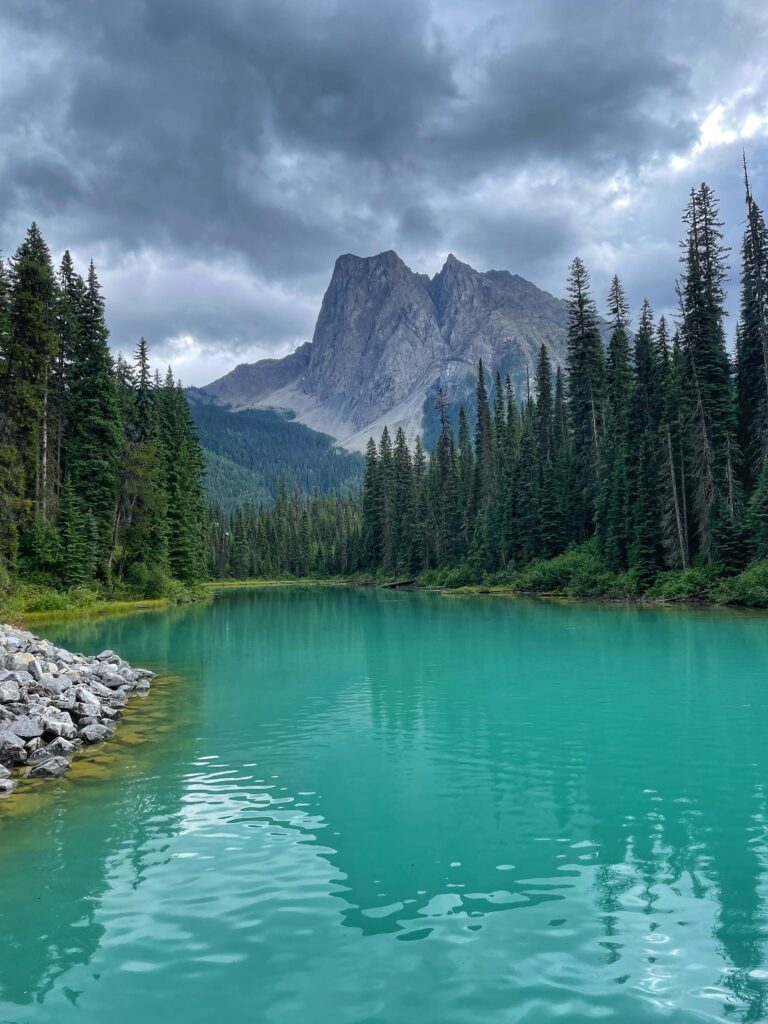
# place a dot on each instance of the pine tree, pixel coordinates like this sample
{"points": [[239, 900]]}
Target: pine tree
{"points": [[674, 471], [371, 507], [586, 385], [544, 407], [752, 341], [29, 351], [11, 470], [403, 501], [485, 477], [76, 528], [714, 454], [92, 444], [612, 507], [757, 516]]}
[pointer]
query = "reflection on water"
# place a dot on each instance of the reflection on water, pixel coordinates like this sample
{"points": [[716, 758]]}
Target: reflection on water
{"points": [[369, 806]]}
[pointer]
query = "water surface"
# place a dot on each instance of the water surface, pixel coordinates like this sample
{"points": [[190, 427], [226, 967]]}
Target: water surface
{"points": [[344, 806]]}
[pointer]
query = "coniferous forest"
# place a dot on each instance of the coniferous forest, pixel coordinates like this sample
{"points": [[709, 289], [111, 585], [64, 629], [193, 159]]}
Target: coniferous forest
{"points": [[640, 467], [100, 467]]}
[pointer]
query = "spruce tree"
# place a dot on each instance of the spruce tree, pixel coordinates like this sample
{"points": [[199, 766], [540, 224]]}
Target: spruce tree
{"points": [[752, 341], [485, 477], [92, 445], [586, 386], [544, 407], [714, 454], [30, 347], [612, 507]]}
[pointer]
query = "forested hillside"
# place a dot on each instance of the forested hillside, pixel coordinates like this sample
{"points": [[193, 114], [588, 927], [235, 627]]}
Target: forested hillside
{"points": [[640, 469], [249, 453], [100, 466]]}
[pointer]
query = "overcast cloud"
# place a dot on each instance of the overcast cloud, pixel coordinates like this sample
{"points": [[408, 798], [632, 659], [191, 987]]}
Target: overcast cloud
{"points": [[214, 157]]}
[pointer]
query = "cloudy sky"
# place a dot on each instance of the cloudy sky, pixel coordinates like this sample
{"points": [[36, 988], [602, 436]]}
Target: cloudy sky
{"points": [[214, 157]]}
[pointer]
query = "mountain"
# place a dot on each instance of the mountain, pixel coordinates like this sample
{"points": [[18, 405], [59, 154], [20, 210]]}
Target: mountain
{"points": [[249, 453], [387, 338]]}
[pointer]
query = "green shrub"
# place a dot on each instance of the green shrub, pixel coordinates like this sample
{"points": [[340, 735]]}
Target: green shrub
{"points": [[579, 572], [749, 588], [149, 582], [695, 583]]}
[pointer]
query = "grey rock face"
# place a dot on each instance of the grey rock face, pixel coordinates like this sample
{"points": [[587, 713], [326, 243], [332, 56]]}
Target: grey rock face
{"points": [[253, 381], [385, 336]]}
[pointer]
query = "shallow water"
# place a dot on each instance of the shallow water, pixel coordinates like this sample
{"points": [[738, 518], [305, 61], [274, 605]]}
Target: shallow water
{"points": [[362, 806]]}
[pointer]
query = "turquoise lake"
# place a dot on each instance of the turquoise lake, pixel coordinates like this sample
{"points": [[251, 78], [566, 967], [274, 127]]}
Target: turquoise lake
{"points": [[341, 806]]}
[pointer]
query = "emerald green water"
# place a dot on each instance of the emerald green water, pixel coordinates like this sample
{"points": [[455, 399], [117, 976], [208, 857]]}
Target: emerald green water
{"points": [[359, 806]]}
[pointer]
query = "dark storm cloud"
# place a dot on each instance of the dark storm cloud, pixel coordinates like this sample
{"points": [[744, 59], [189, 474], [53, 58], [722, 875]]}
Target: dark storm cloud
{"points": [[215, 157]]}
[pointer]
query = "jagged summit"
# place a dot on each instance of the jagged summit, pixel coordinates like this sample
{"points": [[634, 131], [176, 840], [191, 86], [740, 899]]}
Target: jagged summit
{"points": [[386, 337]]}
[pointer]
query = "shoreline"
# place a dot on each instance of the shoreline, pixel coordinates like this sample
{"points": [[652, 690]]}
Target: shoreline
{"points": [[54, 703], [489, 590]]}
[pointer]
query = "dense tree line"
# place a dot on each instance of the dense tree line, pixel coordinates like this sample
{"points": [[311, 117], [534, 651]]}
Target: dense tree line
{"points": [[293, 537], [652, 449], [100, 466]]}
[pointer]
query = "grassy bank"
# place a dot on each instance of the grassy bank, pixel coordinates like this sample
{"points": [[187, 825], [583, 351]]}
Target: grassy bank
{"points": [[24, 603]]}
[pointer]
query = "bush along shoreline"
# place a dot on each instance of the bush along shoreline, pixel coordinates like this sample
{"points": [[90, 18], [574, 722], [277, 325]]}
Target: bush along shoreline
{"points": [[54, 702]]}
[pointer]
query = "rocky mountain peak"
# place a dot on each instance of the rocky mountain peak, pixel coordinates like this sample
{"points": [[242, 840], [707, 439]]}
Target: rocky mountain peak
{"points": [[386, 337]]}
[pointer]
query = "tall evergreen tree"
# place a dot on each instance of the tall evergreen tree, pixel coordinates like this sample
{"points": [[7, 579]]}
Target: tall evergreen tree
{"points": [[30, 346], [752, 341], [92, 415], [586, 387], [713, 422], [612, 511], [485, 476]]}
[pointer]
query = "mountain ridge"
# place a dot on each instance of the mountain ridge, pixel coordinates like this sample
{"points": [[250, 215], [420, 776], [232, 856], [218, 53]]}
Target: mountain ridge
{"points": [[387, 337]]}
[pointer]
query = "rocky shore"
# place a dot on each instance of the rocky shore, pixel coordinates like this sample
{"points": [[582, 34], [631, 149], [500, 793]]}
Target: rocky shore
{"points": [[53, 702]]}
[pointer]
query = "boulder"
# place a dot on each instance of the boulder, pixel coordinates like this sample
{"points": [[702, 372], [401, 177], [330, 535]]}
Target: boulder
{"points": [[38, 756], [28, 726], [49, 685], [18, 662], [58, 723], [52, 768], [112, 680], [6, 785], [95, 733], [61, 747], [86, 696], [9, 690], [4, 772], [35, 669], [12, 749]]}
